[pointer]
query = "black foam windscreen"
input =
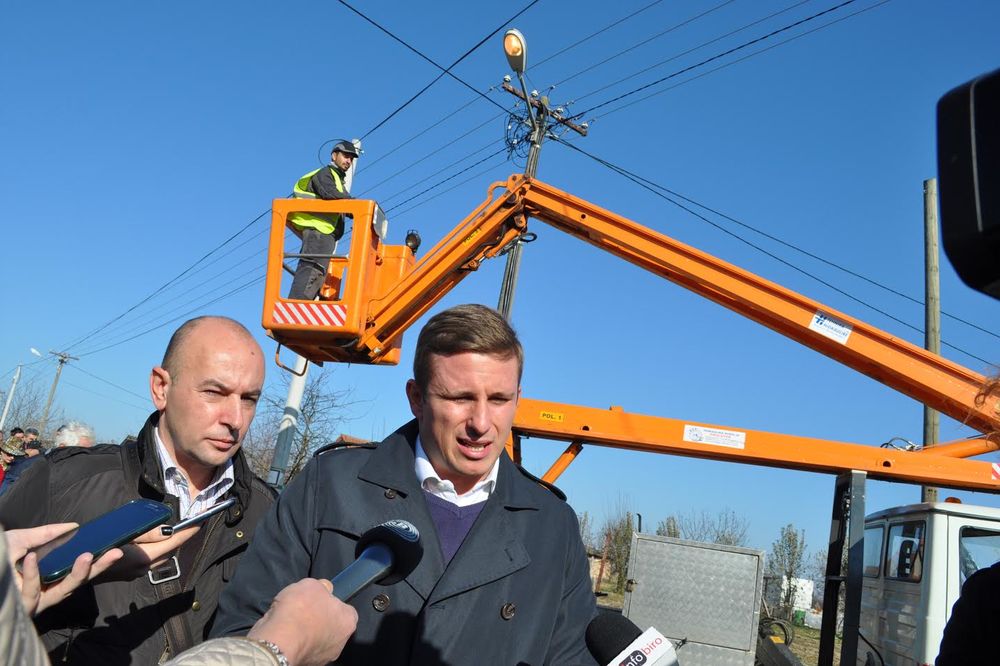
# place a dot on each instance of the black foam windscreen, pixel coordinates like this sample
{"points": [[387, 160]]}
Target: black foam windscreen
{"points": [[403, 539], [968, 144], [608, 634]]}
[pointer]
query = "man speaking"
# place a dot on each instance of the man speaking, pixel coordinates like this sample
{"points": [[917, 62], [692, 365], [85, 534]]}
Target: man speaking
{"points": [[504, 576]]}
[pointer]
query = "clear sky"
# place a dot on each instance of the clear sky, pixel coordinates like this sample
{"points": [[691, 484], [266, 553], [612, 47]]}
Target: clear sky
{"points": [[138, 136]]}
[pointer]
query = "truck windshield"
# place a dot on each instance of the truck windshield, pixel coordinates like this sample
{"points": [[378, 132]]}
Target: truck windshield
{"points": [[978, 548]]}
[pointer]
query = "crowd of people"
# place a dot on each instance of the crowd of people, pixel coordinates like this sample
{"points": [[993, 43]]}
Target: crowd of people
{"points": [[503, 577], [20, 448]]}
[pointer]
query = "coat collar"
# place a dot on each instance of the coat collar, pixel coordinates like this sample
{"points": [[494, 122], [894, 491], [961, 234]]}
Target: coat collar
{"points": [[493, 548], [146, 469]]}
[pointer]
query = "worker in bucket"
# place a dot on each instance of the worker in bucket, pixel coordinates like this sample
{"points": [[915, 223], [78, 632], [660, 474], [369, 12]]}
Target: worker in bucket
{"points": [[320, 231]]}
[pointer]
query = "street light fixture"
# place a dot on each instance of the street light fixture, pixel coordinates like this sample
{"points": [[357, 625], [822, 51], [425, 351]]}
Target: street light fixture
{"points": [[516, 49]]}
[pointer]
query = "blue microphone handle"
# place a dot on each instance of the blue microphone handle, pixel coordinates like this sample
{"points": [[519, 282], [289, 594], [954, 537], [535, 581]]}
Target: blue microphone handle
{"points": [[374, 563]]}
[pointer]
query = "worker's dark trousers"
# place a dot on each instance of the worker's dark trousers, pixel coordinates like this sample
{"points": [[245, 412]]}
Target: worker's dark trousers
{"points": [[310, 273]]}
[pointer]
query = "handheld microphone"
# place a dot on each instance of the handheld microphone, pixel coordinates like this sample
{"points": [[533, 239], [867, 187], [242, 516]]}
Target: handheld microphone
{"points": [[614, 640], [386, 554]]}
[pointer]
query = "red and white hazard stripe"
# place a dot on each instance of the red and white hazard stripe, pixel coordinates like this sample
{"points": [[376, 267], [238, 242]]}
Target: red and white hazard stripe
{"points": [[995, 471], [316, 313]]}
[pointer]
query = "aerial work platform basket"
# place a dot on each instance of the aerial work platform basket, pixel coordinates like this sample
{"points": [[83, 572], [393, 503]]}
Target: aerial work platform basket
{"points": [[330, 328]]}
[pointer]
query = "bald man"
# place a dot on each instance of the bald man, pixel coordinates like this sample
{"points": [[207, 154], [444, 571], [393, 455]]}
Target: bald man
{"points": [[187, 455]]}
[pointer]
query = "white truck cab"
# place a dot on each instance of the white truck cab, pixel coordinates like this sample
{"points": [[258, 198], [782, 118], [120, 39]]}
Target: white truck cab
{"points": [[916, 559]]}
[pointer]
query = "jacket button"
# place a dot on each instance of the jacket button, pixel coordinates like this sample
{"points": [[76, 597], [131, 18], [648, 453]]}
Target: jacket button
{"points": [[196, 606], [507, 611], [239, 534], [390, 493], [380, 602]]}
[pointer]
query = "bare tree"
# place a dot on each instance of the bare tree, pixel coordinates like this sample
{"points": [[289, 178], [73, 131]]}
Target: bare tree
{"points": [[323, 410], [815, 570], [726, 527], [617, 532], [668, 527], [787, 561], [27, 405], [586, 529]]}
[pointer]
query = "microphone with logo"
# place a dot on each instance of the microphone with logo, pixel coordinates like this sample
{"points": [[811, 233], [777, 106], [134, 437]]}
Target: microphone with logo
{"points": [[614, 640], [386, 554]]}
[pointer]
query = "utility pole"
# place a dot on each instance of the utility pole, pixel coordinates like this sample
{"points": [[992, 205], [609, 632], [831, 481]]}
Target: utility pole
{"points": [[539, 114], [932, 312], [63, 358], [10, 397], [296, 389]]}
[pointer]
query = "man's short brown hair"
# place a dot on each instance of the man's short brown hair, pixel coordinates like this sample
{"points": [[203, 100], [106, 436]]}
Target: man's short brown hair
{"points": [[465, 329]]}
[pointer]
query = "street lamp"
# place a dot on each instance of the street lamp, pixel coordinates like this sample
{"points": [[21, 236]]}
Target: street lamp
{"points": [[10, 393], [516, 49]]}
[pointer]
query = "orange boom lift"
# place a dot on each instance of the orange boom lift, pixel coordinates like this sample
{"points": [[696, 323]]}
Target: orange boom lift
{"points": [[373, 294]]}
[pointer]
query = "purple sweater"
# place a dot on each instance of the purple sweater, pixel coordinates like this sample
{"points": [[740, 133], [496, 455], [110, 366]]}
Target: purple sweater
{"points": [[452, 522]]}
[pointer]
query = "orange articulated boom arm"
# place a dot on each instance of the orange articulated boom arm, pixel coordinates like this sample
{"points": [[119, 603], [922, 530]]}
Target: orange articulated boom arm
{"points": [[482, 235], [935, 381], [387, 312], [637, 432]]}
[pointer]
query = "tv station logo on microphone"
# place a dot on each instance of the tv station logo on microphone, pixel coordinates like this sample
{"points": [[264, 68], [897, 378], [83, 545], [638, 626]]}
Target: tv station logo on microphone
{"points": [[641, 656], [650, 649]]}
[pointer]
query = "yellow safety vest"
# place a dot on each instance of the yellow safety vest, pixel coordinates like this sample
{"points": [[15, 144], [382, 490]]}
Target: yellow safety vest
{"points": [[323, 223]]}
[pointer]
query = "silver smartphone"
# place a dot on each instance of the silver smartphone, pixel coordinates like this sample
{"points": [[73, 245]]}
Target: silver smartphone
{"points": [[168, 530]]}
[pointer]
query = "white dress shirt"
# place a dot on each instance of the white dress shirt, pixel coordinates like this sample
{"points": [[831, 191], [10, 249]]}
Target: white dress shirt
{"points": [[435, 485], [175, 482]]}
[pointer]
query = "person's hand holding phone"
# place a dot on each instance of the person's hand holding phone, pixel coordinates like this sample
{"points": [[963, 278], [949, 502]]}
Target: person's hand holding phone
{"points": [[25, 566]]}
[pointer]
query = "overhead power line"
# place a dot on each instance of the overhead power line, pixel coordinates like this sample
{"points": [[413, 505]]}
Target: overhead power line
{"points": [[191, 271], [445, 180], [200, 307], [454, 112], [444, 70], [431, 176], [716, 57], [105, 396], [659, 190], [682, 53], [168, 315], [162, 287], [423, 158], [450, 115], [109, 383], [739, 60], [672, 28], [595, 34], [454, 186], [225, 276]]}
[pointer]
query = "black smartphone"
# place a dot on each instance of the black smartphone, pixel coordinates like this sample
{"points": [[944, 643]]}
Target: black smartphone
{"points": [[101, 534]]}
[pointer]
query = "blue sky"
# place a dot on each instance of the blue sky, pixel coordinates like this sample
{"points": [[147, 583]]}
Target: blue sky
{"points": [[136, 138]]}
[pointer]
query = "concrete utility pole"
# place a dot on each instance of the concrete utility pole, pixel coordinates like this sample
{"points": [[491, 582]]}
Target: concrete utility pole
{"points": [[10, 397], [516, 49], [63, 358], [932, 312], [296, 389]]}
